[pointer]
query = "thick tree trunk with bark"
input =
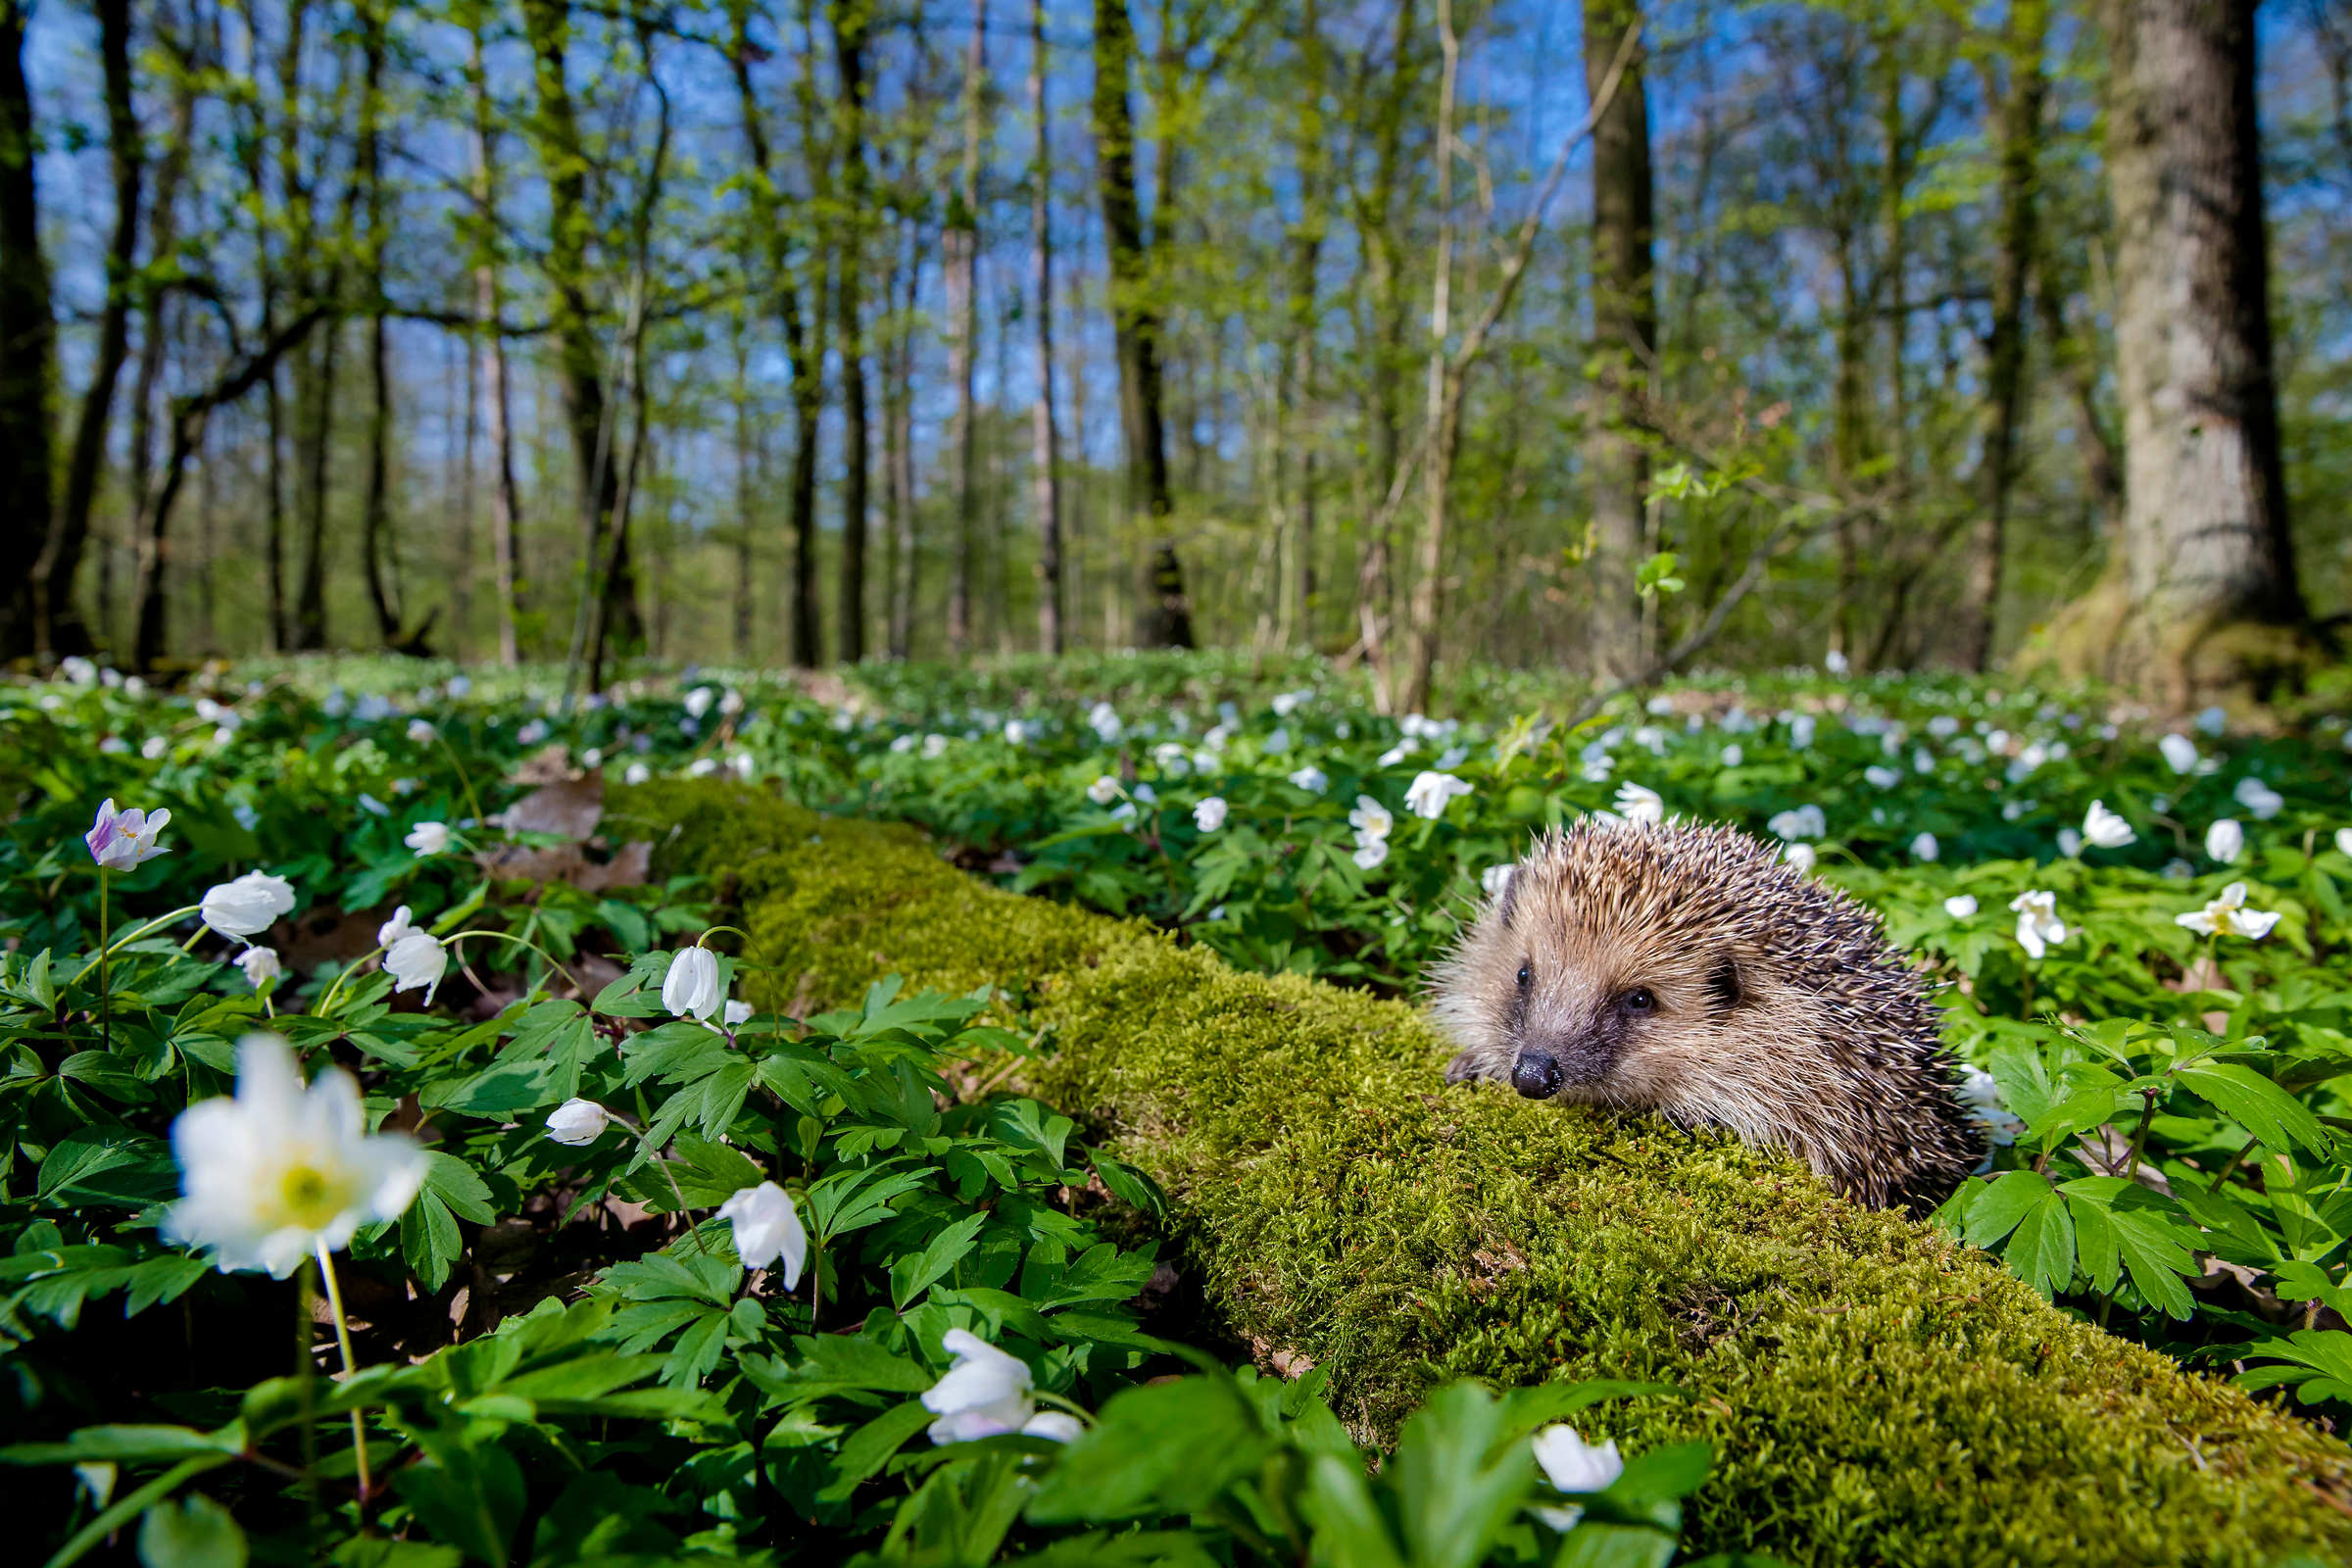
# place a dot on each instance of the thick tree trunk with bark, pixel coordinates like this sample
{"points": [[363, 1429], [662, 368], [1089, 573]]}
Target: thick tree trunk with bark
{"points": [[58, 628], [2206, 600], [1625, 313], [2020, 142], [1167, 618], [28, 340]]}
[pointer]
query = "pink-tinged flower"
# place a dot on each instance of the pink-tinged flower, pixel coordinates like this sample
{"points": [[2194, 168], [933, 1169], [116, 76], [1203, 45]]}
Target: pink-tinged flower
{"points": [[121, 840]]}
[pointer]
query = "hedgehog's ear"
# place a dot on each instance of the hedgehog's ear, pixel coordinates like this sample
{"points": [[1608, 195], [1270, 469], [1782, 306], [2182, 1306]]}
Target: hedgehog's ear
{"points": [[1723, 984], [1508, 905]]}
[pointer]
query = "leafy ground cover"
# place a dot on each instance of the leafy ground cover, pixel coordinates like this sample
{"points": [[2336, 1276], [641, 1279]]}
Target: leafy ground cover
{"points": [[587, 1261], [2163, 1054]]}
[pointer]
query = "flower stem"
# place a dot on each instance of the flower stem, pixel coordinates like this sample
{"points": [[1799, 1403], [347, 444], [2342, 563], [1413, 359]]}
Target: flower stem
{"points": [[463, 782], [106, 948], [105, 988], [508, 936], [306, 1378], [335, 1305]]}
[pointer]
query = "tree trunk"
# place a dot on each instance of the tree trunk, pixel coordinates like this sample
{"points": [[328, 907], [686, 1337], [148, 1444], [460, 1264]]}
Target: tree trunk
{"points": [[28, 343], [851, 19], [960, 248], [2020, 145], [546, 25], [58, 627], [2210, 599], [1625, 313], [375, 513], [1292, 433], [1044, 455], [1441, 408], [897, 436], [505, 507], [1167, 618], [315, 395]]}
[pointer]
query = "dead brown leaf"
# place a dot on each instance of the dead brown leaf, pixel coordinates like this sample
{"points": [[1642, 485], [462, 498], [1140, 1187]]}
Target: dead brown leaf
{"points": [[631, 867], [569, 808]]}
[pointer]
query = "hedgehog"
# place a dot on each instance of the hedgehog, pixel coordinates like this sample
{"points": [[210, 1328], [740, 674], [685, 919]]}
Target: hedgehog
{"points": [[1684, 969]]}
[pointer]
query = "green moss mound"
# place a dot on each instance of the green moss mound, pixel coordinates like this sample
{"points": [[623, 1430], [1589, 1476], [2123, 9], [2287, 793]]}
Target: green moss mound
{"points": [[1873, 1393]]}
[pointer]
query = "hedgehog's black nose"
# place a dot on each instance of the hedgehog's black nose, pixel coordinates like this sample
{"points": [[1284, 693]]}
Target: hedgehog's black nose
{"points": [[1536, 1075]]}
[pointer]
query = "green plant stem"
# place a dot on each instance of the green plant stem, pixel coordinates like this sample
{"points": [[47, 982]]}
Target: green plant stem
{"points": [[105, 948], [465, 782], [306, 1382], [106, 983], [521, 942], [358, 1425]]}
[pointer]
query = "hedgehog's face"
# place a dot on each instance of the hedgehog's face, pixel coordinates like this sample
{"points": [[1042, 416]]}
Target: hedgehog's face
{"points": [[1590, 1015]]}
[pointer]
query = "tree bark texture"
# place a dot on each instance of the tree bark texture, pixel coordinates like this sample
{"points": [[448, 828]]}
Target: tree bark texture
{"points": [[27, 341], [2205, 542], [1625, 312], [2020, 149], [1165, 620], [1044, 455], [852, 24], [960, 247], [58, 625]]}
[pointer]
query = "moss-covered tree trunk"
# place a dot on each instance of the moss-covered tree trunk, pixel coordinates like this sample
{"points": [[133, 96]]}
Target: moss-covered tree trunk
{"points": [[2203, 600]]}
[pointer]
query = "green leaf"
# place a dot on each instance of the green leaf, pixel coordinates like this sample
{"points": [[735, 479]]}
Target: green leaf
{"points": [[2041, 1250], [471, 1497], [1161, 1447], [1995, 1209], [1454, 1492], [869, 1447], [191, 1531], [915, 1272], [2273, 1116], [110, 1165]]}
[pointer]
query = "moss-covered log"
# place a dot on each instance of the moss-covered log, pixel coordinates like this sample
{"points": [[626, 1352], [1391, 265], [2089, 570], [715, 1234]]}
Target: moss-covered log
{"points": [[1873, 1393]]}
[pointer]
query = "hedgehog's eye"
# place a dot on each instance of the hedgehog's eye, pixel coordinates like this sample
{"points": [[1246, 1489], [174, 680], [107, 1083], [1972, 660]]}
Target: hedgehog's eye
{"points": [[1640, 1000], [1525, 975]]}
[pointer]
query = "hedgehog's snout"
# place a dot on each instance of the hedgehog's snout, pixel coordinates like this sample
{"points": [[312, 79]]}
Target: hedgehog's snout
{"points": [[1536, 1074]]}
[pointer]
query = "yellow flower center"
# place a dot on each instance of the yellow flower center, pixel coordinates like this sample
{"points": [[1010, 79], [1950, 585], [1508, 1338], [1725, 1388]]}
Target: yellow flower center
{"points": [[309, 1197]]}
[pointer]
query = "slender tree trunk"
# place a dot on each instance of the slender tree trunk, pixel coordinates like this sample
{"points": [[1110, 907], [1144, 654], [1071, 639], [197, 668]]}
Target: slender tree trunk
{"points": [[1167, 618], [27, 344], [460, 595], [58, 627], [314, 394], [897, 436], [375, 513], [745, 504], [1045, 452], [1626, 327], [506, 508], [2005, 345], [617, 619], [852, 20], [961, 250], [1442, 404], [2205, 543], [1384, 379], [1294, 432], [546, 25]]}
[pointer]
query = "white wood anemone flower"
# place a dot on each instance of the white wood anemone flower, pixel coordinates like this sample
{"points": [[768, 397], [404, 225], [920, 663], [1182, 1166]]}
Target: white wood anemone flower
{"points": [[280, 1171], [2228, 916], [985, 1393], [767, 1231], [690, 988]]}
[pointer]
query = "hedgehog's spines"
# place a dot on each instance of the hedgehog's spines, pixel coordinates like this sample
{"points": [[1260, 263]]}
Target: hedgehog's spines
{"points": [[1833, 1052]]}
